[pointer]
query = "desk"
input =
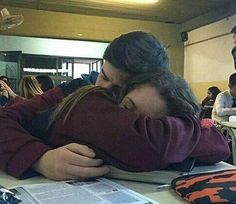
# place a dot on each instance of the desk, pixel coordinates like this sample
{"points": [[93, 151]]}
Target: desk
{"points": [[229, 130], [164, 197]]}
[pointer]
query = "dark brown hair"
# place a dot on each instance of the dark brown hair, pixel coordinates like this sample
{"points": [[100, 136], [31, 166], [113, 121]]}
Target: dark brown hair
{"points": [[137, 52], [174, 89]]}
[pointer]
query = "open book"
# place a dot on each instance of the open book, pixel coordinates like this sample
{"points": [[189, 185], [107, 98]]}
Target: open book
{"points": [[96, 191], [166, 176]]}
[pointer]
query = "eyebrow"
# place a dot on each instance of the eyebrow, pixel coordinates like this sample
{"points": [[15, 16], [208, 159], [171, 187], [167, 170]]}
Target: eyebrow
{"points": [[105, 76], [108, 79]]}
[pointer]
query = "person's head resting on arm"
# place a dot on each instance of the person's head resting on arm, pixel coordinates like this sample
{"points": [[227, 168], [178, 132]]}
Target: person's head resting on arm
{"points": [[157, 94], [131, 54]]}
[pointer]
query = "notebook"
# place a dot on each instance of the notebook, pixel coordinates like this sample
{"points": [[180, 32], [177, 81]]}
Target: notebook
{"points": [[167, 175]]}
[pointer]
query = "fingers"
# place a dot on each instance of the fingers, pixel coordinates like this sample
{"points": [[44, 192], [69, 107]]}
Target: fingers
{"points": [[75, 172], [67, 162], [3, 83], [80, 160], [80, 149]]}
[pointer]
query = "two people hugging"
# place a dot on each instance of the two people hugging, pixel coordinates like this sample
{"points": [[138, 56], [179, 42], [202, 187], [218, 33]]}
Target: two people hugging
{"points": [[138, 117]]}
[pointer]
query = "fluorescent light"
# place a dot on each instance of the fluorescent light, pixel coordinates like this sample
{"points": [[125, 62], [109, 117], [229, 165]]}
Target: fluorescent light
{"points": [[133, 1]]}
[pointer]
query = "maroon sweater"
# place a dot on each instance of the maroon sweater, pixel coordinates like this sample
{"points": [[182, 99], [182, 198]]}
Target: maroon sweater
{"points": [[123, 138]]}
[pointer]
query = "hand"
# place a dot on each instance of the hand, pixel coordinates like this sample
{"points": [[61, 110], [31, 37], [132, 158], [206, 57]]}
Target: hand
{"points": [[72, 161], [4, 93], [5, 87]]}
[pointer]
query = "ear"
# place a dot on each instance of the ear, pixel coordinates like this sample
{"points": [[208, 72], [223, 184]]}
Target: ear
{"points": [[230, 86]]}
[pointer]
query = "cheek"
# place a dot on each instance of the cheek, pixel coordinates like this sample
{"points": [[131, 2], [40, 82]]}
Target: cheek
{"points": [[98, 81]]}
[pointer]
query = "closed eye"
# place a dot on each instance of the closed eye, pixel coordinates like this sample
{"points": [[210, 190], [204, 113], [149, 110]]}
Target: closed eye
{"points": [[128, 104]]}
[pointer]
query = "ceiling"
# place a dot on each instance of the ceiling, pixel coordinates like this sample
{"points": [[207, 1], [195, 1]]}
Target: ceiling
{"points": [[170, 11]]}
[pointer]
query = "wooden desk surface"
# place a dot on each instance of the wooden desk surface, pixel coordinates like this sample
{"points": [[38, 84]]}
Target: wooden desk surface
{"points": [[165, 197]]}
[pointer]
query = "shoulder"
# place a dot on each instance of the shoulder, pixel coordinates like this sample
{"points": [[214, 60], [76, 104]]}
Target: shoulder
{"points": [[223, 94]]}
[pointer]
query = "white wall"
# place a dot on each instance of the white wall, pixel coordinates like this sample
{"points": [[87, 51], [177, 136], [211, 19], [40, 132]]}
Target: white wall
{"points": [[209, 62], [45, 46]]}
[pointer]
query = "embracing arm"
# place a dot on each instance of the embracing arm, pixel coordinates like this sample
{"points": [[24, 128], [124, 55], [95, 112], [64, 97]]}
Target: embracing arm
{"points": [[133, 142], [18, 149]]}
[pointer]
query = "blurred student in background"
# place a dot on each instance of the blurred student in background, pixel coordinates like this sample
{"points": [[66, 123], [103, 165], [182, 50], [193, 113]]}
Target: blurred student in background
{"points": [[45, 82], [225, 103], [234, 49], [29, 87], [208, 102]]}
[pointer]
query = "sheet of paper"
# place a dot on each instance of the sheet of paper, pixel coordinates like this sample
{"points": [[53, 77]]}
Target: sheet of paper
{"points": [[99, 191]]}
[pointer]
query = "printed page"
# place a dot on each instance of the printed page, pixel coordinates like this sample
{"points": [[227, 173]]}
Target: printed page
{"points": [[100, 191]]}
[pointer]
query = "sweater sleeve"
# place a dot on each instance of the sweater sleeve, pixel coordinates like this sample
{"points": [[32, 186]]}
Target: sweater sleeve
{"points": [[131, 141], [15, 100], [18, 149]]}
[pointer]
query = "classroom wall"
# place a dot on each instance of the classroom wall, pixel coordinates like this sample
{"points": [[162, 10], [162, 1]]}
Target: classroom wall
{"points": [[67, 26], [207, 56], [56, 47]]}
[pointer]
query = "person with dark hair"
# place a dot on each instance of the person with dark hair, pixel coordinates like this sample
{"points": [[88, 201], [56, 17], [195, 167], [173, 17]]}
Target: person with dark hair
{"points": [[100, 116], [7, 96], [225, 103], [208, 102], [45, 82], [5, 79], [234, 49], [131, 54]]}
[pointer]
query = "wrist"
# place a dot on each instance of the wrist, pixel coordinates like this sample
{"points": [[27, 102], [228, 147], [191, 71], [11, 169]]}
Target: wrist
{"points": [[13, 95], [38, 165]]}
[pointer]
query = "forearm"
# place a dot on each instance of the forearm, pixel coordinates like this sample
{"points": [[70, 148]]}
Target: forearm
{"points": [[18, 149], [225, 111]]}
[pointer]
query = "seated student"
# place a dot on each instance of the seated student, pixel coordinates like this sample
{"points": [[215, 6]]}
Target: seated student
{"points": [[134, 149], [29, 87], [4, 96], [7, 94], [45, 82], [208, 102], [5, 79], [225, 103]]}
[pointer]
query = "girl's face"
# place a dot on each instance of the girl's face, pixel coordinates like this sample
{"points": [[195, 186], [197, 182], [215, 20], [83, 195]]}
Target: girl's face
{"points": [[145, 100], [209, 94]]}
